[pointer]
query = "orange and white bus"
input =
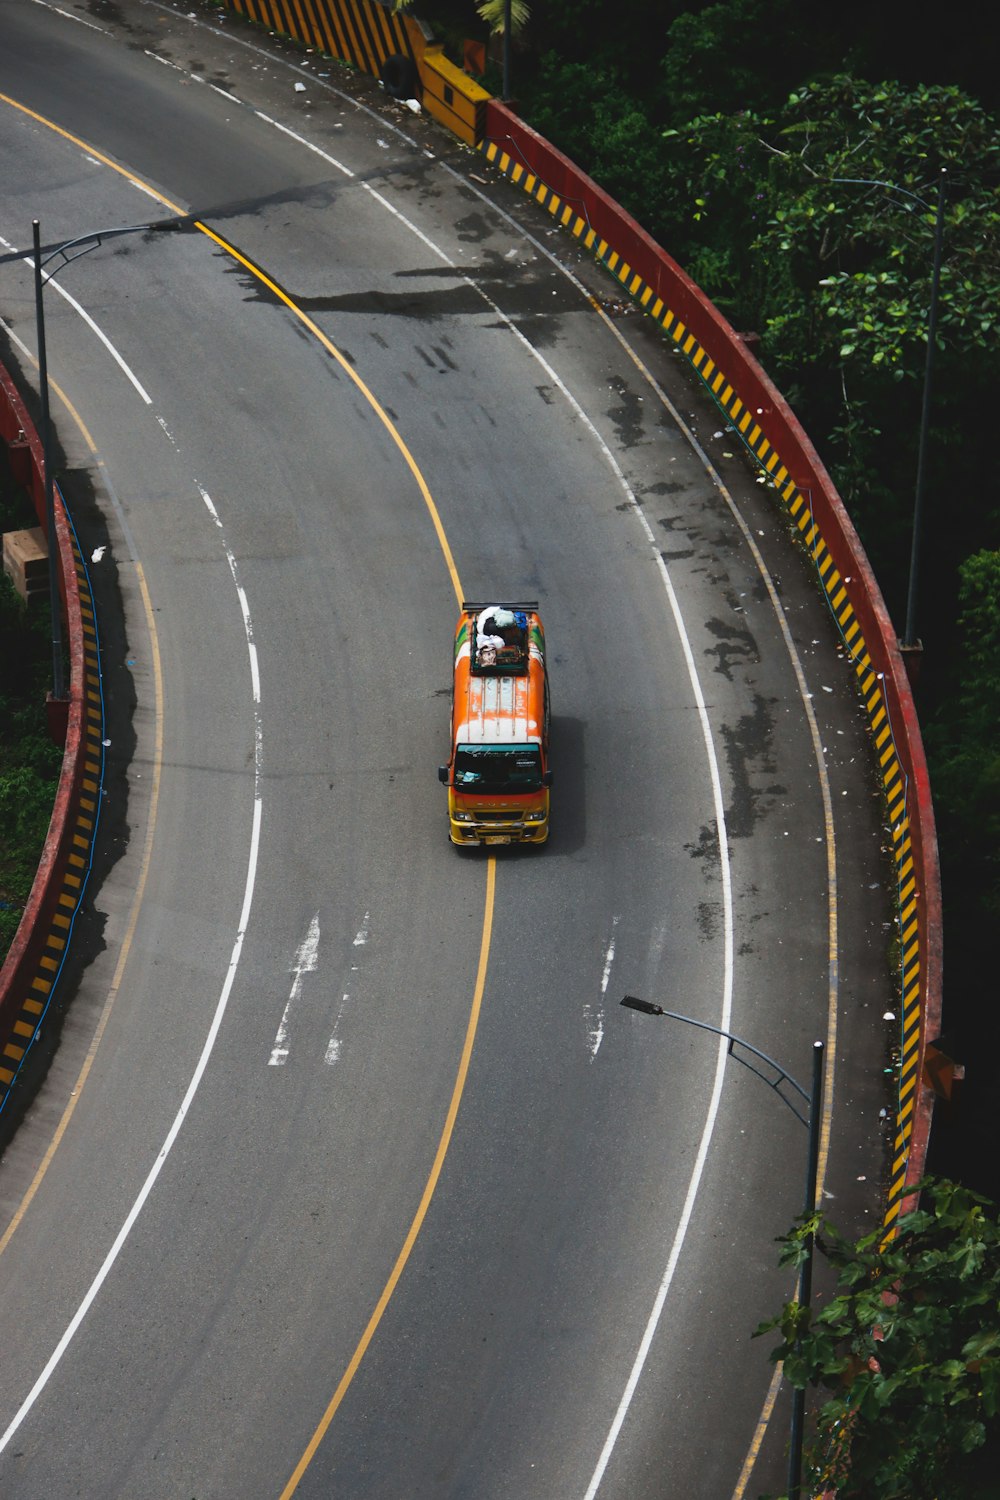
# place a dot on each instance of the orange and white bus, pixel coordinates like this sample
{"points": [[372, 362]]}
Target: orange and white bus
{"points": [[498, 774]]}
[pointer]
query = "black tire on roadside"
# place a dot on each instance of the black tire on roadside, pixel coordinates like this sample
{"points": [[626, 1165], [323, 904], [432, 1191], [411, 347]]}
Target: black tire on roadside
{"points": [[400, 78]]}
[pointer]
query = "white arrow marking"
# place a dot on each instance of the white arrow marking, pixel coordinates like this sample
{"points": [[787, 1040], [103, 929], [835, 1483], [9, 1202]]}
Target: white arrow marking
{"points": [[595, 1028], [306, 962], [333, 1046]]}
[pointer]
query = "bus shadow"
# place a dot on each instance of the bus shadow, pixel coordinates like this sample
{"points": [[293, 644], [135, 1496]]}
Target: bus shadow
{"points": [[568, 810]]}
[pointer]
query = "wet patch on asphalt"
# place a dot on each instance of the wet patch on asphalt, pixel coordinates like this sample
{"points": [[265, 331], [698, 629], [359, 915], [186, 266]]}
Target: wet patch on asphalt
{"points": [[736, 647], [629, 416], [707, 846], [750, 758]]}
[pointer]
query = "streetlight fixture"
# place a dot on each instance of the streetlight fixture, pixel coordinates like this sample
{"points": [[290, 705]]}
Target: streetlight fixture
{"points": [[909, 630], [70, 250], [909, 641], [812, 1122], [55, 609]]}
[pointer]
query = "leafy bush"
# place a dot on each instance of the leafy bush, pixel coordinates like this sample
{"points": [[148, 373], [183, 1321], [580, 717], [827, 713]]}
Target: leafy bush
{"points": [[29, 762], [963, 743], [908, 1350]]}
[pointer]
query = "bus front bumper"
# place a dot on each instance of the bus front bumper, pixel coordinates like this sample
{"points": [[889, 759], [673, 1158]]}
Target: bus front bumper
{"points": [[493, 831]]}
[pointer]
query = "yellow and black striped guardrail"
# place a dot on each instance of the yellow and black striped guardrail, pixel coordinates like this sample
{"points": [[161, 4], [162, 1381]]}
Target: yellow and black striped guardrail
{"points": [[25, 1024], [369, 35], [571, 215]]}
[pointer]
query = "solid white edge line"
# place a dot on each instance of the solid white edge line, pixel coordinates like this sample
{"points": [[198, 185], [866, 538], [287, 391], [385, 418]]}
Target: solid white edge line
{"points": [[206, 1051], [708, 1128], [164, 1152], [49, 279], [727, 900], [68, 15], [301, 141]]}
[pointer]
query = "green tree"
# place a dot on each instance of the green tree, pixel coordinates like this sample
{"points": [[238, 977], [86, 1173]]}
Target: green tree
{"points": [[964, 743], [494, 13], [613, 134], [908, 1346], [833, 196], [721, 58], [814, 224], [852, 197], [29, 762]]}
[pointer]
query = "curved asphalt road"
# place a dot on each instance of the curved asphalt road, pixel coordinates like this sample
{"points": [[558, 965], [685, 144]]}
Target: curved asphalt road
{"points": [[371, 1189]]}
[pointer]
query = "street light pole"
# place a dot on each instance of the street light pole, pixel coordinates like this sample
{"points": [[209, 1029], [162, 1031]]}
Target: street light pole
{"points": [[805, 1273], [909, 637], [70, 250], [909, 630], [55, 606], [812, 1123]]}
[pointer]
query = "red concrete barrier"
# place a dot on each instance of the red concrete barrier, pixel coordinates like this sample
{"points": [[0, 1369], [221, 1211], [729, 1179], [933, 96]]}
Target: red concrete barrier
{"points": [[24, 979]]}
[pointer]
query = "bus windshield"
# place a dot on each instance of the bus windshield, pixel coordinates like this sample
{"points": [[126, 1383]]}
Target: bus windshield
{"points": [[498, 768]]}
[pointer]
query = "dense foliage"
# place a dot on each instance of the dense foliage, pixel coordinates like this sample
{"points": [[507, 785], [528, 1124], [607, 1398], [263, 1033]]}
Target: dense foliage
{"points": [[29, 762], [817, 227], [908, 1348], [965, 743]]}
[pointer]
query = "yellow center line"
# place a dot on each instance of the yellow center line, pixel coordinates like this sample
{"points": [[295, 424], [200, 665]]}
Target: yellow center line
{"points": [[421, 1213], [484, 951], [379, 411], [91, 151], [282, 296]]}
